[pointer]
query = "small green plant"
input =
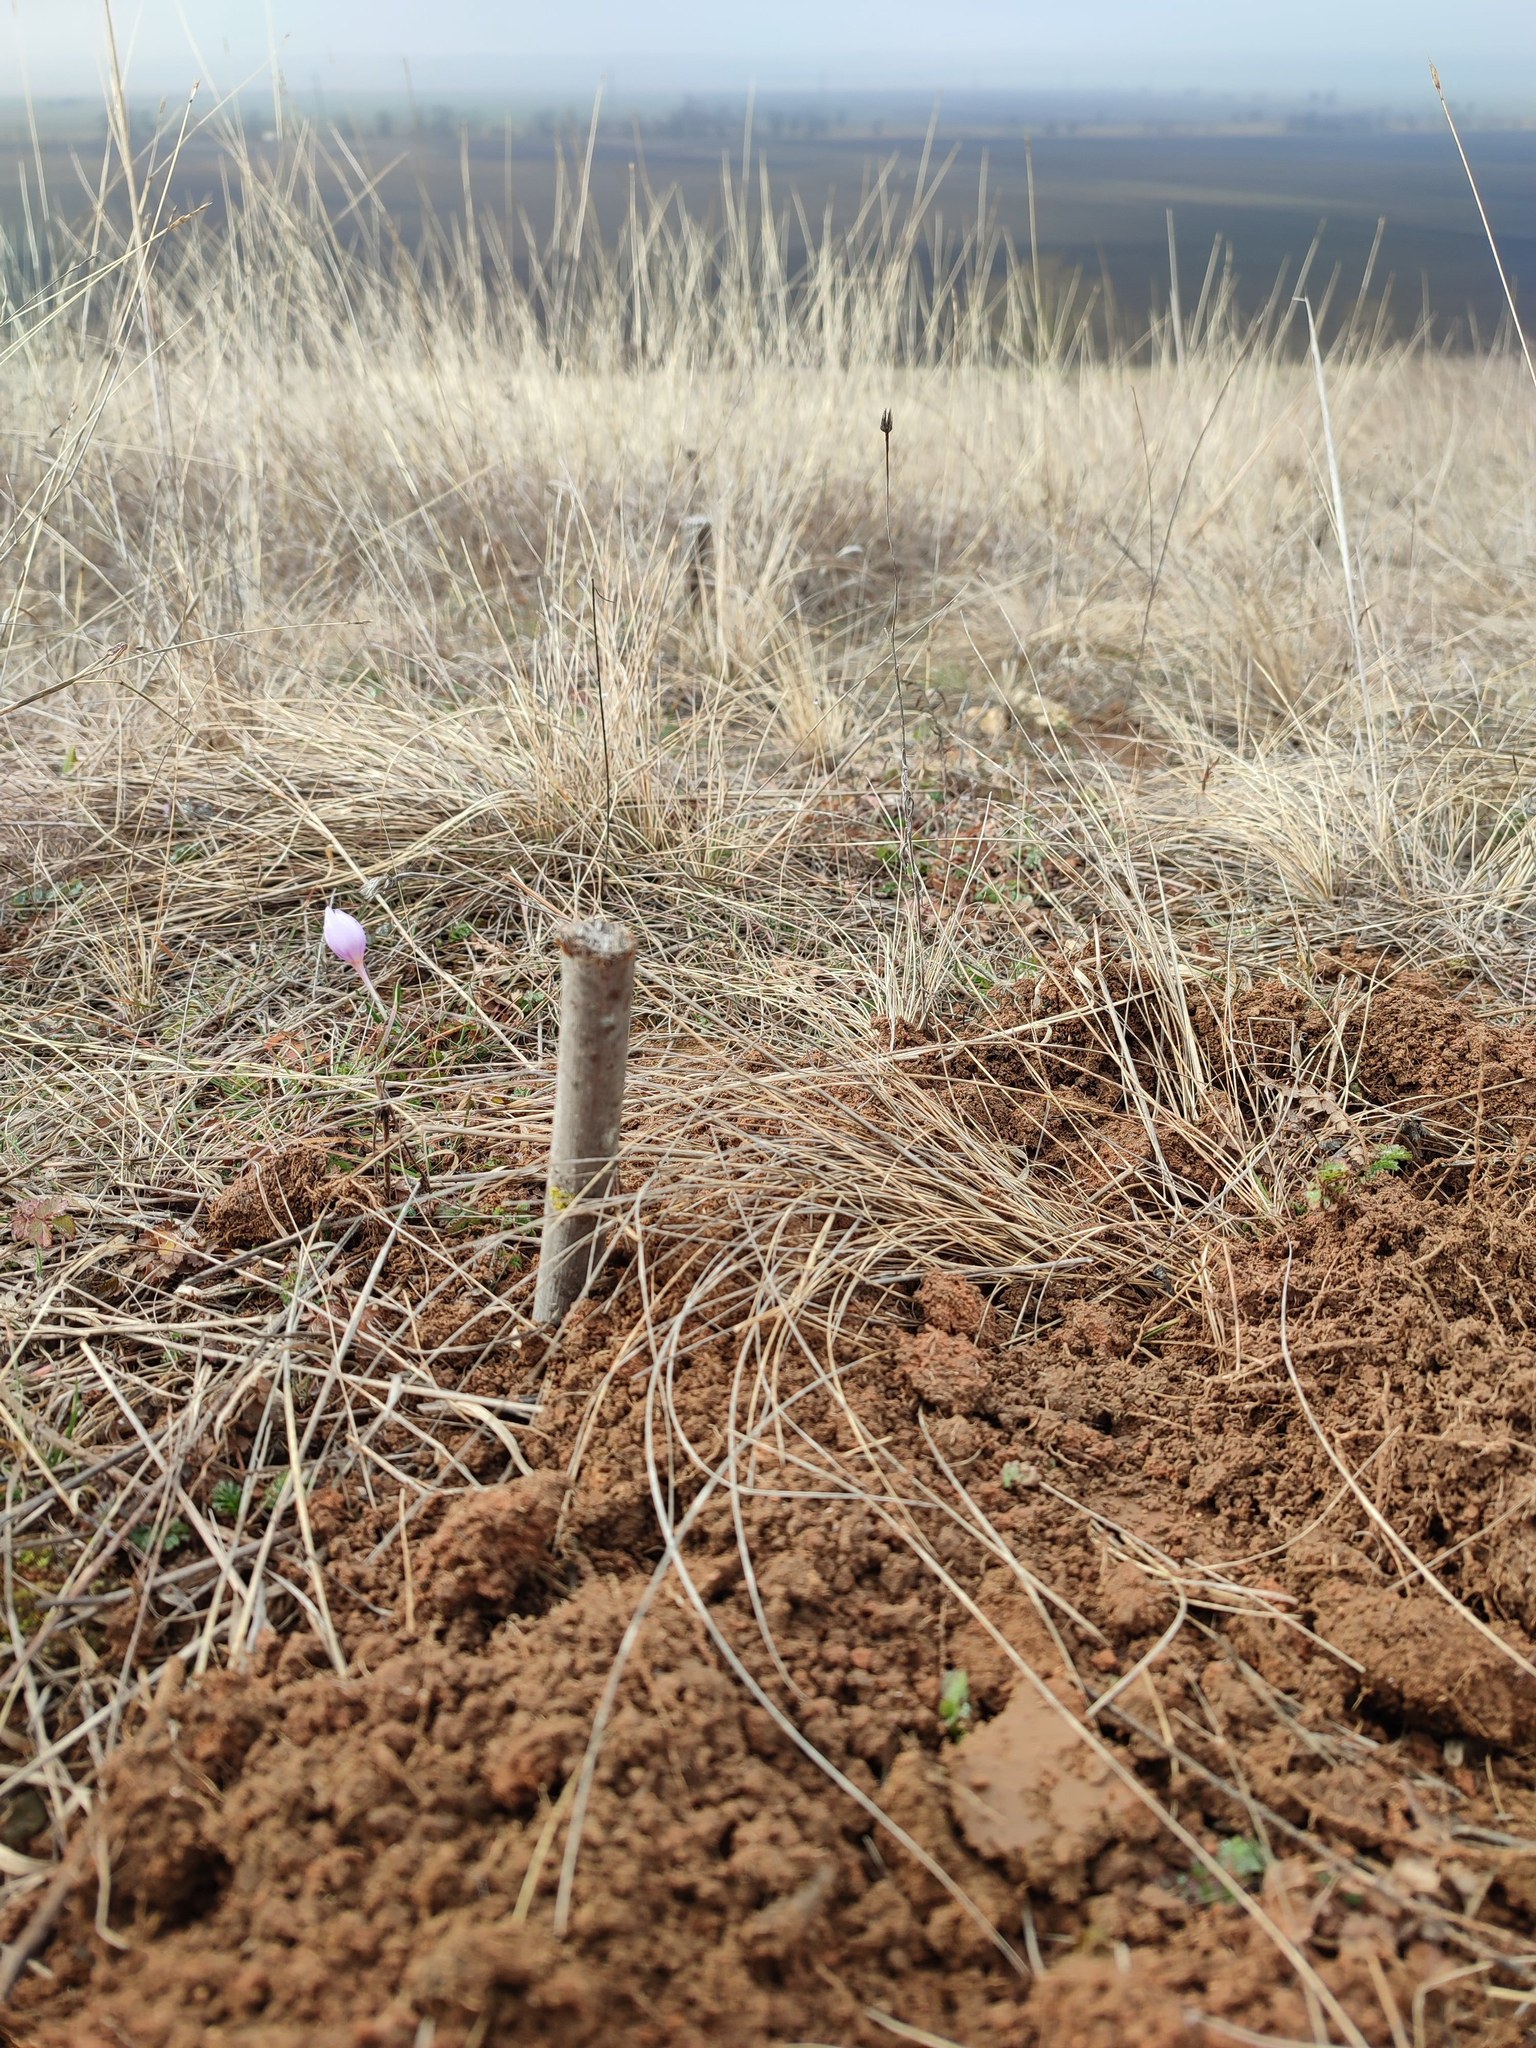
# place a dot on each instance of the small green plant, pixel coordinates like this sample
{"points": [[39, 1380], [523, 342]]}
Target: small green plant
{"points": [[226, 1499], [955, 1704], [1241, 1857], [56, 1454], [461, 932], [1013, 1475], [174, 1538], [1334, 1176], [1328, 1183], [1390, 1159], [40, 894]]}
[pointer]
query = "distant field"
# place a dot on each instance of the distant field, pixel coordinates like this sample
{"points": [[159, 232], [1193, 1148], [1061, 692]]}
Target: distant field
{"points": [[1102, 197]]}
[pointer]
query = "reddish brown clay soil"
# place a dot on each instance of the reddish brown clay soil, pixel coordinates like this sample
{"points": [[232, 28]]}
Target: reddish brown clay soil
{"points": [[1236, 1666]]}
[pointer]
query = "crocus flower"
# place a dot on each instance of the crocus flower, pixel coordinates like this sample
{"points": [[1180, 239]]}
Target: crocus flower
{"points": [[348, 941]]}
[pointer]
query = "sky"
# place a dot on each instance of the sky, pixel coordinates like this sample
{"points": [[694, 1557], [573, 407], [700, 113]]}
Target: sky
{"points": [[1370, 52]]}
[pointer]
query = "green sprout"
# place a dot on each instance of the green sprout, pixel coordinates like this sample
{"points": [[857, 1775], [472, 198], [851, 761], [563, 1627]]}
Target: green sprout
{"points": [[56, 1454], [174, 1538], [1334, 1175], [1244, 1862], [226, 1499], [1390, 1159], [1240, 1856], [38, 895], [1013, 1475], [1328, 1183], [955, 1704]]}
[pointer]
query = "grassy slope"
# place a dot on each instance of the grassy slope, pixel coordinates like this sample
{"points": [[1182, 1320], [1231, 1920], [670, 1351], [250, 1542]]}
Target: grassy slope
{"points": [[382, 590]]}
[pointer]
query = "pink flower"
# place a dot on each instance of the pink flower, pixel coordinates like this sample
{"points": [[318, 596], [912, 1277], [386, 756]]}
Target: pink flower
{"points": [[348, 941], [346, 938]]}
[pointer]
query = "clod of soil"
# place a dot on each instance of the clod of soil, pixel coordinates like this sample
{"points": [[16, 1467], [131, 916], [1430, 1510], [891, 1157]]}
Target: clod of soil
{"points": [[273, 1197], [1031, 1794], [489, 1549]]}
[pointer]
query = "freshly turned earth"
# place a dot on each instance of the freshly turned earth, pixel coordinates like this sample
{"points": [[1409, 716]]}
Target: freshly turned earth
{"points": [[371, 1860]]}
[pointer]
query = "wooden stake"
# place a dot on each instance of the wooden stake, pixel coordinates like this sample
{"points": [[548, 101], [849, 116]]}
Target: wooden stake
{"points": [[701, 551], [597, 981]]}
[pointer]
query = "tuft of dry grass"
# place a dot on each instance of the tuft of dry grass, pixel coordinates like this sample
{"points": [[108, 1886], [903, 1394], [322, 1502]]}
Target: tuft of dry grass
{"points": [[332, 570]]}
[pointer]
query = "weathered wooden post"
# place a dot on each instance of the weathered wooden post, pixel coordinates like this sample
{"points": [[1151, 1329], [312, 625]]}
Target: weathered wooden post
{"points": [[701, 551], [597, 982]]}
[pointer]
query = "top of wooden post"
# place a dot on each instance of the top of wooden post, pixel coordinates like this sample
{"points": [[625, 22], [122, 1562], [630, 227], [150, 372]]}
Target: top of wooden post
{"points": [[596, 938]]}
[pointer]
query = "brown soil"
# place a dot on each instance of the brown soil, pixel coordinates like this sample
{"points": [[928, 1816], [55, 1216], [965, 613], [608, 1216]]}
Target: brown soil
{"points": [[272, 1197], [1247, 1721]]}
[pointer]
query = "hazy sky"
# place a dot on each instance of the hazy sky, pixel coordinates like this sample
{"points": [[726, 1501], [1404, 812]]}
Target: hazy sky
{"points": [[1371, 50]]}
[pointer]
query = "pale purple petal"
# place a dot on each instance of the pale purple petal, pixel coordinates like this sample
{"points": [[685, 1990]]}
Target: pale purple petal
{"points": [[346, 938]]}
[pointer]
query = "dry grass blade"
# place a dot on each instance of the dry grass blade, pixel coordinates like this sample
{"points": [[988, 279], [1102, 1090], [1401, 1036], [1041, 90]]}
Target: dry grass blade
{"points": [[1482, 214]]}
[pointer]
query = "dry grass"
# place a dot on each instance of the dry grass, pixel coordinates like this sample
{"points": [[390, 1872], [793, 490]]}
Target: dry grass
{"points": [[327, 571]]}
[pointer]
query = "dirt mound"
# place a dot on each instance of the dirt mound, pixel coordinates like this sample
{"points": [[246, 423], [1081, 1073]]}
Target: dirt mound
{"points": [[490, 1549], [1081, 1049], [272, 1198], [1144, 1668], [1387, 1342]]}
